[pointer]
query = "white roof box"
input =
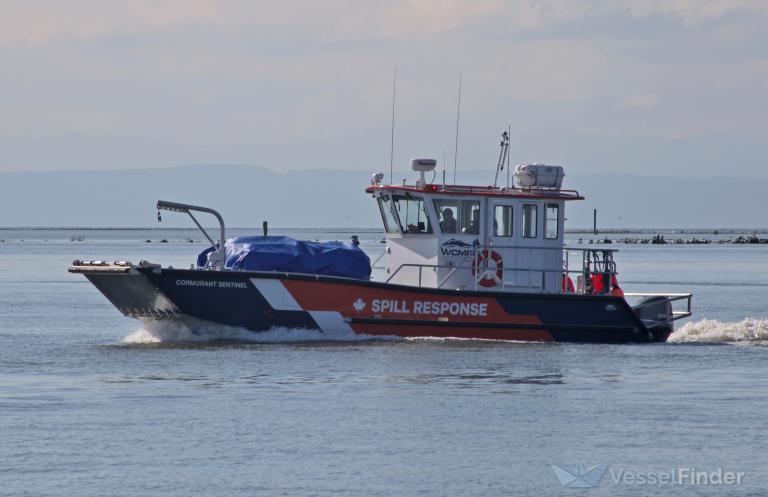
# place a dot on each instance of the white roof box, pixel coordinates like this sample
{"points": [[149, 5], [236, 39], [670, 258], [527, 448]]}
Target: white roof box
{"points": [[539, 176], [420, 165]]}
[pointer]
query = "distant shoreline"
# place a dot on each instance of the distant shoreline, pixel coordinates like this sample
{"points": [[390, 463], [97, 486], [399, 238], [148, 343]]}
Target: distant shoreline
{"points": [[576, 231], [192, 228]]}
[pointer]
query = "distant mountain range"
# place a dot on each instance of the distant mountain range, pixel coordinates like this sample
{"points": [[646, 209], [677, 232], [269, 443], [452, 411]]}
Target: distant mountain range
{"points": [[248, 195]]}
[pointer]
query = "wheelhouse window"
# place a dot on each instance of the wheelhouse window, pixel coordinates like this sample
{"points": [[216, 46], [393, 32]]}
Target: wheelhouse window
{"points": [[502, 220], [551, 221], [412, 214], [458, 216], [448, 214], [390, 223], [530, 212]]}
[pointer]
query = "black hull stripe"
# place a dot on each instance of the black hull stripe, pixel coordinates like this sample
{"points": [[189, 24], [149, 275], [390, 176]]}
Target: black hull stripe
{"points": [[511, 326]]}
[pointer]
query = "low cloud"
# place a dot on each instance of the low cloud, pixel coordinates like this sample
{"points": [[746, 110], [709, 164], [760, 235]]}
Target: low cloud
{"points": [[693, 12], [638, 101], [223, 72], [49, 21]]}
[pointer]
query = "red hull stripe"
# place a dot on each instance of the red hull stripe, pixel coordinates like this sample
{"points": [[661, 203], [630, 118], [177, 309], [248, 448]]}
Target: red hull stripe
{"points": [[358, 301], [448, 332]]}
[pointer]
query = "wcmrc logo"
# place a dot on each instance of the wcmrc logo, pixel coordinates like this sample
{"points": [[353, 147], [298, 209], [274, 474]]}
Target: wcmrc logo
{"points": [[457, 248]]}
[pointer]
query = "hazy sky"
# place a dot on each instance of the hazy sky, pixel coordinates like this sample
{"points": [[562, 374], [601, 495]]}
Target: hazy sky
{"points": [[671, 87]]}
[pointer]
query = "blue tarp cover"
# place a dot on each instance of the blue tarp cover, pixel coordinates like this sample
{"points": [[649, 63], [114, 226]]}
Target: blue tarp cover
{"points": [[284, 254]]}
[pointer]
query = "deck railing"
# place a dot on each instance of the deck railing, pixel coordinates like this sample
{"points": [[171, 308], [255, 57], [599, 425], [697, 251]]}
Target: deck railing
{"points": [[592, 264]]}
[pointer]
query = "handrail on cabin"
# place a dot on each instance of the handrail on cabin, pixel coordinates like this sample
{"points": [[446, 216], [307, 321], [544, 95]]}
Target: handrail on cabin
{"points": [[529, 270], [593, 261], [432, 188]]}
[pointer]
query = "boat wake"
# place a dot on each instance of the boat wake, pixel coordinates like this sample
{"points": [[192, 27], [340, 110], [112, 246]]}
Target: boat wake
{"points": [[177, 332], [747, 331]]}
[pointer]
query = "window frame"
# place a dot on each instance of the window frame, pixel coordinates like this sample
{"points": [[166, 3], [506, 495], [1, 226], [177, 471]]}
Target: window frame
{"points": [[547, 221], [497, 225], [439, 204], [535, 223], [416, 199], [464, 209], [385, 204]]}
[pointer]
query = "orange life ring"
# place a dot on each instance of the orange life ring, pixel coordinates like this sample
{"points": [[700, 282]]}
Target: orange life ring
{"points": [[488, 277]]}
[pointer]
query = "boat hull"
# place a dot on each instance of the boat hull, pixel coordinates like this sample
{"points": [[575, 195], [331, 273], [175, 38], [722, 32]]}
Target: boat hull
{"points": [[261, 301]]}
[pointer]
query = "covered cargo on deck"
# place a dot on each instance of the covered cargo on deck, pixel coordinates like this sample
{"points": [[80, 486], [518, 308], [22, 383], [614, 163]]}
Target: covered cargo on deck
{"points": [[285, 254]]}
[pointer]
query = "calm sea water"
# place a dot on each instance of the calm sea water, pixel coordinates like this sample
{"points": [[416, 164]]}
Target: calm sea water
{"points": [[91, 404]]}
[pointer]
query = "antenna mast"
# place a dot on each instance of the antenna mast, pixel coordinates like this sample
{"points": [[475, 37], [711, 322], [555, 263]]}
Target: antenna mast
{"points": [[509, 131], [392, 133], [456, 146], [504, 144]]}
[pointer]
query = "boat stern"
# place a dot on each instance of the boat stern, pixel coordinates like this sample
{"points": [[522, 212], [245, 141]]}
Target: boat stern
{"points": [[657, 312]]}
